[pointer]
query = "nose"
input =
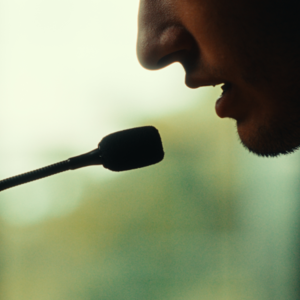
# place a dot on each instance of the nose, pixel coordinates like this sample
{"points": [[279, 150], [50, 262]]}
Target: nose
{"points": [[162, 39]]}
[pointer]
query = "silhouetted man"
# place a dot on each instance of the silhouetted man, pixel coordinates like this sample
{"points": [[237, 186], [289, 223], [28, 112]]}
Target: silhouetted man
{"points": [[250, 46]]}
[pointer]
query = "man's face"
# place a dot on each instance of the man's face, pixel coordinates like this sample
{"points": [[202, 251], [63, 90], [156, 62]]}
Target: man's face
{"points": [[234, 43]]}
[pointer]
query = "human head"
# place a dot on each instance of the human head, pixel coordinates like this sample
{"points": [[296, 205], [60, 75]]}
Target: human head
{"points": [[251, 46]]}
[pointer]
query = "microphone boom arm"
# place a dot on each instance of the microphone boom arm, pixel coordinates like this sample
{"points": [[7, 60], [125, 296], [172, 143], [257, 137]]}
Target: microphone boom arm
{"points": [[73, 163]]}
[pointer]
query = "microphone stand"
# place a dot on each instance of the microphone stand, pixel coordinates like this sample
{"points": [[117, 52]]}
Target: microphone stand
{"points": [[73, 163]]}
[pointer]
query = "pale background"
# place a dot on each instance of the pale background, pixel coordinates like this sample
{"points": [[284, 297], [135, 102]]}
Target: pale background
{"points": [[211, 222]]}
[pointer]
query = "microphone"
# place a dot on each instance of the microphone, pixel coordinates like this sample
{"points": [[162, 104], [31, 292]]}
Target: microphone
{"points": [[120, 151]]}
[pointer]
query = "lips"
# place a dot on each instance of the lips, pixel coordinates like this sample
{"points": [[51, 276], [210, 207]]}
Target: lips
{"points": [[226, 105], [225, 102]]}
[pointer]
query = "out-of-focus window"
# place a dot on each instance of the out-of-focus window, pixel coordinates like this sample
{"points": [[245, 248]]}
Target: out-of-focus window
{"points": [[210, 222]]}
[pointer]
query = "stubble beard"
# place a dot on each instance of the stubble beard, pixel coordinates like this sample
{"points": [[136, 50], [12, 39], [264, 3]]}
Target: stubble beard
{"points": [[277, 137]]}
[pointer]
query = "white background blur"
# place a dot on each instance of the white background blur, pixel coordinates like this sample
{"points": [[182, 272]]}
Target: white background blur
{"points": [[69, 75]]}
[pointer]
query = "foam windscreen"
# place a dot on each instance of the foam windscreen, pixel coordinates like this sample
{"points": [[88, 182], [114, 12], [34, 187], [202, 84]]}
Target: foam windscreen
{"points": [[131, 149]]}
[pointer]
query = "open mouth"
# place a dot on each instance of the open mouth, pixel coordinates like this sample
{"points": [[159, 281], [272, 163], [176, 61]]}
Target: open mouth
{"points": [[224, 103], [226, 87]]}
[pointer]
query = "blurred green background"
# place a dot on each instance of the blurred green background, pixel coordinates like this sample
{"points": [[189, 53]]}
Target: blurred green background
{"points": [[211, 222]]}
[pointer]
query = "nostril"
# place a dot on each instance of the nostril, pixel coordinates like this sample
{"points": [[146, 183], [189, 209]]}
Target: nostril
{"points": [[168, 59], [187, 57]]}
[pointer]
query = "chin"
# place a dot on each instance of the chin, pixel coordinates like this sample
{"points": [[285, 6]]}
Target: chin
{"points": [[270, 140]]}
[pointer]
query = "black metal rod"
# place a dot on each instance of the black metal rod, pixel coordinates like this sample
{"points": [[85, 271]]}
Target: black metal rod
{"points": [[34, 175], [73, 163]]}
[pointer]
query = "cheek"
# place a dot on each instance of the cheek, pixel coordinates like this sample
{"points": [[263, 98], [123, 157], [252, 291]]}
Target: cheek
{"points": [[214, 35]]}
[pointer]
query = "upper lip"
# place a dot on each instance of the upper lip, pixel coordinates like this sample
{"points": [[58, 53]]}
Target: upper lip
{"points": [[193, 82], [199, 77], [196, 75]]}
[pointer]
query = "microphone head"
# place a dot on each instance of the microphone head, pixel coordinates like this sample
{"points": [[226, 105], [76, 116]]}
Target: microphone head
{"points": [[131, 149]]}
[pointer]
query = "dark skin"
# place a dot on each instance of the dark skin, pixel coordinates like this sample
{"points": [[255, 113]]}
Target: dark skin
{"points": [[242, 44]]}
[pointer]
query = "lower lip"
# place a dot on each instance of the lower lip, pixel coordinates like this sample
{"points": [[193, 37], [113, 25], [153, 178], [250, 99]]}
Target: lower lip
{"points": [[224, 104]]}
